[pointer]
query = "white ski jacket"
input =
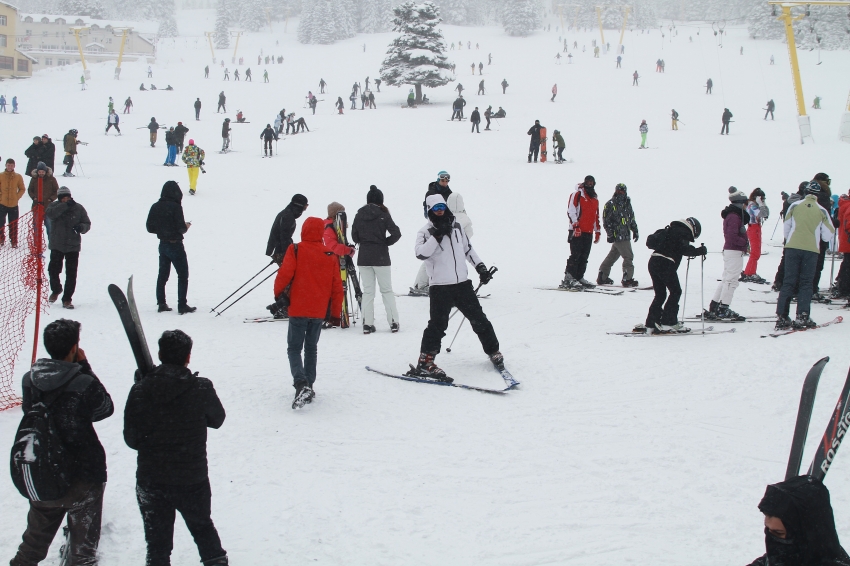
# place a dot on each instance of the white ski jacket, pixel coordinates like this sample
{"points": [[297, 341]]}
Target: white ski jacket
{"points": [[445, 261], [455, 204]]}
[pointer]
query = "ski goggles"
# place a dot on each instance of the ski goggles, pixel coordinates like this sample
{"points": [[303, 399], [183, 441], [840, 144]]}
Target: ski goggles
{"points": [[445, 177], [439, 206]]}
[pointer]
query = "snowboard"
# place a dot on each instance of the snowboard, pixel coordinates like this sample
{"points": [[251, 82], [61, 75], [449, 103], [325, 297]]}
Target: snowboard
{"points": [[543, 152], [126, 307]]}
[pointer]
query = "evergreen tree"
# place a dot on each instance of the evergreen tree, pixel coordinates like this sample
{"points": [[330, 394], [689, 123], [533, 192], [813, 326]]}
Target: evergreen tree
{"points": [[521, 17], [253, 15], [221, 36], [455, 12], [72, 7], [345, 18], [376, 16], [417, 56], [762, 23]]}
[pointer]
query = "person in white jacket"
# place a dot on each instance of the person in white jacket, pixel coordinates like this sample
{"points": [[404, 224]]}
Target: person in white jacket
{"points": [[444, 247]]}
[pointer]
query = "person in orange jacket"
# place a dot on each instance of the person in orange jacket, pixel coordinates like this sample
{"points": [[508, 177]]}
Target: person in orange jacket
{"points": [[309, 275]]}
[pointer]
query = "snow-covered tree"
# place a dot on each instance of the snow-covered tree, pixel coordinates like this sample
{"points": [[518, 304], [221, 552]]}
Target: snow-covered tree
{"points": [[521, 17], [345, 18], [376, 16], [325, 21], [762, 23], [221, 35], [417, 56], [253, 15]]}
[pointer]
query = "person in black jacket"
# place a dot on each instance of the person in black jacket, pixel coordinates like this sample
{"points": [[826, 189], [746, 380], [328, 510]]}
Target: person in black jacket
{"points": [[283, 228], [370, 228], [153, 127], [165, 420], [726, 118], [165, 219], [534, 147], [35, 153], [48, 151], [79, 399], [68, 221], [179, 135], [268, 136], [669, 245], [197, 109], [475, 118]]}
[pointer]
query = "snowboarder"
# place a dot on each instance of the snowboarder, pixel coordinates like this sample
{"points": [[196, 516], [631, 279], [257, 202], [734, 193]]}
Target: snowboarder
{"points": [[221, 100], [621, 229], [172, 471], [708, 85], [322, 85], [806, 225], [457, 107], [152, 128], [735, 220], [112, 122], [268, 136], [240, 118], [165, 219], [225, 135], [504, 85], [68, 222], [758, 213], [481, 87], [668, 245], [674, 116], [644, 130], [554, 92], [583, 213], [726, 118], [171, 144], [771, 106], [534, 146], [193, 157], [635, 78], [475, 118], [197, 109], [559, 146], [283, 227], [446, 248], [179, 135], [340, 105], [127, 105]]}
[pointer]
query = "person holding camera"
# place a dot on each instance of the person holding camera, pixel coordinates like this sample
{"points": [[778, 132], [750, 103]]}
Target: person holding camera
{"points": [[68, 221]]}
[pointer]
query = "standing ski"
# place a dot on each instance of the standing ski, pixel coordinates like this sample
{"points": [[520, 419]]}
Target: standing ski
{"points": [[126, 306], [833, 435], [804, 416]]}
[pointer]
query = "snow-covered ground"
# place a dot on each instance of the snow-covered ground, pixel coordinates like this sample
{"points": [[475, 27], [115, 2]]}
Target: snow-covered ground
{"points": [[615, 450]]}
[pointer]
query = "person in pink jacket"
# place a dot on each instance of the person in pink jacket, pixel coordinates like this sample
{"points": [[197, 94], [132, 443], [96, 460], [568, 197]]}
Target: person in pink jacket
{"points": [[735, 220]]}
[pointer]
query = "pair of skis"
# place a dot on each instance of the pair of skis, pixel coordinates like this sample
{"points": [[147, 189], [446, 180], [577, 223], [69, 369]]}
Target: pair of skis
{"points": [[129, 315], [510, 382], [601, 291], [350, 281]]}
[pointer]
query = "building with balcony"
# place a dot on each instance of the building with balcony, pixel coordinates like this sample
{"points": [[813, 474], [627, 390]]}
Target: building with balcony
{"points": [[13, 63]]}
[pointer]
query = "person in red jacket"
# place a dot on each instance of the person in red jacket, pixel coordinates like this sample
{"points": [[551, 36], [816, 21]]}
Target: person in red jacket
{"points": [[332, 242], [843, 235], [583, 213], [316, 290]]}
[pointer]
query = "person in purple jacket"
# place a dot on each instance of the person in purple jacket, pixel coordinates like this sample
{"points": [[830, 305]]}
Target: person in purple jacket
{"points": [[735, 220]]}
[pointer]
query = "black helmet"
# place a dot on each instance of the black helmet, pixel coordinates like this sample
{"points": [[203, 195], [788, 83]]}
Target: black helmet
{"points": [[694, 224], [153, 119], [620, 187], [814, 188], [227, 119], [73, 132]]}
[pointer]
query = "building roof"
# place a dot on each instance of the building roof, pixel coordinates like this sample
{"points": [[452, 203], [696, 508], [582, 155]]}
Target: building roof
{"points": [[141, 27], [12, 6], [30, 57]]}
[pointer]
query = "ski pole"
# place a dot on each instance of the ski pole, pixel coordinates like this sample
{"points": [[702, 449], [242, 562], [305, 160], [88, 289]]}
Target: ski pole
{"points": [[702, 292], [492, 270], [237, 290], [685, 298], [774, 228], [80, 166], [834, 243], [449, 349], [245, 293]]}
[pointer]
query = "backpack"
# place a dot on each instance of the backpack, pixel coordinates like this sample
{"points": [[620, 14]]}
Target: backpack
{"points": [[657, 238], [39, 462]]}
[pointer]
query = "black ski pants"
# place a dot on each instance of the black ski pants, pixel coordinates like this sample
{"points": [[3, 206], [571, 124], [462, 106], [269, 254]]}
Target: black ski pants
{"points": [[10, 213], [456, 114], [158, 504], [579, 254], [54, 269], [533, 149], [724, 129], [843, 277], [461, 295], [664, 279], [172, 253], [780, 272], [824, 246], [69, 161], [475, 127], [267, 146]]}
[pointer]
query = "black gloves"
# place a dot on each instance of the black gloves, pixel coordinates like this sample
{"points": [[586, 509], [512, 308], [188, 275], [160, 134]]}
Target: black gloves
{"points": [[635, 238], [440, 230], [434, 231], [483, 273], [702, 250]]}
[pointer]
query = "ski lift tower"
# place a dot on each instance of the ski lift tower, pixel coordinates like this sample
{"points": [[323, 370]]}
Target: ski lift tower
{"points": [[788, 20], [237, 35], [77, 31], [124, 33], [601, 33]]}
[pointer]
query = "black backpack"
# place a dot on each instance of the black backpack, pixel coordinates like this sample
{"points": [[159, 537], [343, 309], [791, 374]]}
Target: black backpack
{"points": [[657, 238], [39, 462]]}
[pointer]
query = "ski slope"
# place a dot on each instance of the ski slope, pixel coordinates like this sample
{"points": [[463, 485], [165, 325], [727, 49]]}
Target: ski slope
{"points": [[613, 450]]}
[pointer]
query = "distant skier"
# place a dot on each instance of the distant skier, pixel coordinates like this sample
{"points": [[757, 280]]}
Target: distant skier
{"points": [[473, 68], [207, 72], [584, 231], [14, 105], [475, 118], [759, 213], [411, 99], [500, 113], [816, 103], [459, 89], [674, 116], [2, 103], [153, 128], [378, 85], [771, 106], [171, 145], [708, 85], [457, 108], [227, 74], [726, 118], [266, 76], [504, 85], [127, 105], [225, 135], [221, 100], [480, 68], [322, 85], [635, 78], [619, 59], [644, 129], [554, 92], [618, 219], [340, 105], [268, 135], [735, 220], [248, 74], [111, 106], [370, 96], [771, 59], [481, 87], [112, 122], [197, 109], [534, 146], [559, 146], [487, 114], [150, 71], [141, 87]]}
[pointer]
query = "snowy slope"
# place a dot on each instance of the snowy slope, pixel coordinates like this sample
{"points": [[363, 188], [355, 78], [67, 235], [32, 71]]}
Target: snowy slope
{"points": [[614, 450]]}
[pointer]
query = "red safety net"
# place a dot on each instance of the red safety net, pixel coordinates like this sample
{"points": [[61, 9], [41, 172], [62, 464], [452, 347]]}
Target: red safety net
{"points": [[22, 280]]}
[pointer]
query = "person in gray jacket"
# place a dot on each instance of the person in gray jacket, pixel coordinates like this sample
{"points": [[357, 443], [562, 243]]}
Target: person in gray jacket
{"points": [[369, 230], [68, 221], [618, 219]]}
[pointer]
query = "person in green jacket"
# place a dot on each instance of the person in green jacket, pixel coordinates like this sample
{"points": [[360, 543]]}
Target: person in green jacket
{"points": [[806, 225], [411, 98], [559, 146]]}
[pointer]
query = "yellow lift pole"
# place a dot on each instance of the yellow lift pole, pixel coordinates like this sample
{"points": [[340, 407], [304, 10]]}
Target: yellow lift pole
{"points": [[77, 31], [599, 19], [625, 19], [238, 34], [209, 35], [124, 34]]}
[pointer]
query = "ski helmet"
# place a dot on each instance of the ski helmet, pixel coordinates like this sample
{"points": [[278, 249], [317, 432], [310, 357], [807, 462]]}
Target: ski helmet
{"points": [[227, 119], [694, 225], [620, 187], [590, 179], [814, 188], [153, 119]]}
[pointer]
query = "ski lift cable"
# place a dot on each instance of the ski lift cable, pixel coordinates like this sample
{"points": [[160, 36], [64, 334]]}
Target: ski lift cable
{"points": [[761, 69]]}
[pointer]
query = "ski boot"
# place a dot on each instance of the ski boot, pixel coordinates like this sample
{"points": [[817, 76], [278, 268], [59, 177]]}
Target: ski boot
{"points": [[630, 283], [184, 309], [604, 280], [570, 283], [803, 322], [303, 395], [639, 329], [586, 284], [427, 369], [783, 322], [367, 329], [394, 327], [498, 360], [711, 312], [191, 191], [678, 327], [758, 279], [725, 313]]}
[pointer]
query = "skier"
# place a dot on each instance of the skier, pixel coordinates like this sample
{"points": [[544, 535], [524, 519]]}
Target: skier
{"points": [[236, 74], [14, 105], [353, 99], [644, 129], [475, 118], [366, 82], [2, 103], [369, 230], [708, 84], [534, 146], [771, 60], [227, 74], [371, 98], [668, 245], [635, 78], [816, 103], [459, 89], [171, 144], [658, 66], [70, 142], [619, 59], [504, 85], [378, 85], [268, 135], [283, 227], [165, 219], [355, 88], [473, 68], [150, 72], [583, 213], [340, 105], [127, 105], [487, 114], [799, 526], [68, 221], [559, 146], [675, 117], [111, 106], [225, 135], [141, 87], [457, 108], [735, 220], [322, 85], [771, 106], [179, 135], [411, 99], [445, 248], [621, 229], [554, 92], [221, 100], [77, 400], [363, 98], [825, 201], [193, 157], [300, 125], [480, 68], [152, 128], [842, 290], [112, 122], [207, 72], [726, 118], [758, 213], [481, 87], [172, 471], [248, 74], [266, 76]]}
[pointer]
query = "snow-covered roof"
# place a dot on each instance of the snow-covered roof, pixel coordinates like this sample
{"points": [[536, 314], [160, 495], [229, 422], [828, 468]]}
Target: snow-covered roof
{"points": [[146, 27], [24, 54], [95, 44], [12, 6]]}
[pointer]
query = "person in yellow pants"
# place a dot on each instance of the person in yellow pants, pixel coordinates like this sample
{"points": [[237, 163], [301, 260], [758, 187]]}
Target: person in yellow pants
{"points": [[193, 157], [675, 117]]}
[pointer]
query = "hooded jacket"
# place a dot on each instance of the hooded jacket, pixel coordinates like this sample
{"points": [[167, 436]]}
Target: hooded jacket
{"points": [[69, 221], [282, 230], [70, 144], [193, 156], [807, 224], [11, 188], [371, 225], [49, 187], [475, 117], [48, 153], [34, 152], [445, 259], [83, 402], [726, 116], [534, 132], [314, 273], [735, 220], [166, 420], [844, 224], [456, 206], [618, 218], [180, 132], [165, 218], [583, 210], [676, 243]]}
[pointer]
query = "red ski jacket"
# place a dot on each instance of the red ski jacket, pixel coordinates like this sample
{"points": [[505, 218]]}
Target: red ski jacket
{"points": [[332, 242], [313, 271], [844, 224]]}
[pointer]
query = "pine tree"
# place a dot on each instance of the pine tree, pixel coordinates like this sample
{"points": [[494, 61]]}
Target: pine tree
{"points": [[305, 29], [762, 23], [72, 7], [345, 18], [521, 17], [221, 36], [376, 16], [455, 12], [253, 15], [417, 56]]}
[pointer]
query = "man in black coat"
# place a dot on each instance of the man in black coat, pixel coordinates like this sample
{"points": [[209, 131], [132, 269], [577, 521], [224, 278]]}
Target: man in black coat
{"points": [[77, 399], [179, 134], [283, 228], [166, 419], [726, 118], [165, 219], [534, 146], [34, 153], [48, 151], [475, 118], [68, 221], [197, 109], [268, 135]]}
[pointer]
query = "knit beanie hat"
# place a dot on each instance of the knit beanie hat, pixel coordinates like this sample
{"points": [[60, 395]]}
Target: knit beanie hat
{"points": [[299, 199], [334, 208], [374, 196], [41, 166], [736, 196], [589, 178], [63, 192]]}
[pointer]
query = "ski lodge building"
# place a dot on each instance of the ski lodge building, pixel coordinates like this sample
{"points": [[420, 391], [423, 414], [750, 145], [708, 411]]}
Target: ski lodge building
{"points": [[13, 63]]}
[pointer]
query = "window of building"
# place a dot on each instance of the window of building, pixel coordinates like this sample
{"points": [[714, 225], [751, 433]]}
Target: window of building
{"points": [[3, 40], [48, 61], [2, 20], [7, 63], [29, 32], [45, 20], [79, 22], [23, 66], [28, 19], [95, 27], [60, 21]]}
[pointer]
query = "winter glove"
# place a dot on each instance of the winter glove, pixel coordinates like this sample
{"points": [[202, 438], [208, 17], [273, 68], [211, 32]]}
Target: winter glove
{"points": [[596, 238], [434, 231], [351, 251], [277, 258], [635, 238], [484, 275], [702, 250], [78, 228]]}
